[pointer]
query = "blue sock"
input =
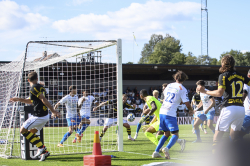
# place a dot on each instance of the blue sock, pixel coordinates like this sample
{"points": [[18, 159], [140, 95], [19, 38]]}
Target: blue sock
{"points": [[161, 143], [138, 128], [213, 131], [197, 132], [230, 138], [192, 123], [84, 126], [172, 141], [65, 137], [201, 124]]}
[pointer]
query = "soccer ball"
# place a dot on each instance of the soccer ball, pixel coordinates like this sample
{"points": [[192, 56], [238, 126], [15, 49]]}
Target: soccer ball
{"points": [[131, 117]]}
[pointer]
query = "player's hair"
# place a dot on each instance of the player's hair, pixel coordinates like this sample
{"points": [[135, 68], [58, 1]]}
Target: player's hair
{"points": [[155, 91], [180, 76], [201, 82], [32, 76], [144, 93], [165, 85], [228, 63], [72, 87]]}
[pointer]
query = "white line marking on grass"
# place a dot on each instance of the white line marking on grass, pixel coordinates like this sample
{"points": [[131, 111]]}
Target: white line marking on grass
{"points": [[171, 158]]}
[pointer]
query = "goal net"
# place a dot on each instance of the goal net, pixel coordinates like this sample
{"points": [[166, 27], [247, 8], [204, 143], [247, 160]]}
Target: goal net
{"points": [[94, 67]]}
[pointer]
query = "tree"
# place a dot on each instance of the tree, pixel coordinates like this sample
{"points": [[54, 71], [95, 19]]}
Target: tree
{"points": [[240, 58], [191, 59], [148, 48], [178, 59], [213, 61], [165, 50], [130, 63]]}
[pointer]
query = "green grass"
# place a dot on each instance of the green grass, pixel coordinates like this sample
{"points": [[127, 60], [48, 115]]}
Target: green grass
{"points": [[135, 153]]}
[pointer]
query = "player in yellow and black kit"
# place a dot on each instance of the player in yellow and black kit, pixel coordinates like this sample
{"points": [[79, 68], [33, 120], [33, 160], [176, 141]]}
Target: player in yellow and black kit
{"points": [[40, 116], [230, 86], [112, 116]]}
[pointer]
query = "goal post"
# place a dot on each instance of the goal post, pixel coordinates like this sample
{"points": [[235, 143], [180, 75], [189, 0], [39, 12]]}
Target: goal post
{"points": [[93, 66]]}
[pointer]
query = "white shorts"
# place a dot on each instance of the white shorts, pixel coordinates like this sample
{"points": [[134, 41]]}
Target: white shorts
{"points": [[112, 121], [232, 115], [36, 122]]}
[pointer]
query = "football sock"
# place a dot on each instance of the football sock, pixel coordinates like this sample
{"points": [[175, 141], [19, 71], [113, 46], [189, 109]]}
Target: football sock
{"points": [[192, 123], [102, 134], [152, 138], [158, 137], [213, 131], [202, 125], [214, 146], [197, 132], [205, 126], [129, 131], [65, 137], [161, 143], [138, 128], [230, 138], [84, 126], [33, 139], [169, 138], [172, 141]]}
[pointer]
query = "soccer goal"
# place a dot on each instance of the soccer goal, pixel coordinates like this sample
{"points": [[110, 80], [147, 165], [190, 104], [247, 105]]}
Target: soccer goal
{"points": [[93, 66]]}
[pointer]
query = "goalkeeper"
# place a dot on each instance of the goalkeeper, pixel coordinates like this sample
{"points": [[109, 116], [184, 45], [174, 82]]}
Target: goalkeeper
{"points": [[154, 108]]}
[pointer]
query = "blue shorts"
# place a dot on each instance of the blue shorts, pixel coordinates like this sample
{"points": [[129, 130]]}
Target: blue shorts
{"points": [[73, 121], [210, 115], [168, 123], [202, 117], [84, 117], [246, 124]]}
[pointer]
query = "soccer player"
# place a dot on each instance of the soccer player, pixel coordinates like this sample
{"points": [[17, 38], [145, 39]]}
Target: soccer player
{"points": [[154, 103], [112, 115], [208, 104], [174, 94], [85, 103], [246, 99], [195, 102], [230, 85], [163, 88], [40, 117], [71, 102]]}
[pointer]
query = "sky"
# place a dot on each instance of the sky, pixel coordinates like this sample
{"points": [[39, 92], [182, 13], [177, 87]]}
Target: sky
{"points": [[28, 20]]}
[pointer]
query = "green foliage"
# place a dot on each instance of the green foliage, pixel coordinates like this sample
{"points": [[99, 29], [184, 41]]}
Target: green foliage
{"points": [[240, 58], [130, 63], [191, 59], [178, 59]]}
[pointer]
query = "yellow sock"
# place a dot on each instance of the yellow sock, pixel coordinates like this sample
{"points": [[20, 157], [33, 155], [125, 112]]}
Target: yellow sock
{"points": [[152, 138], [205, 126]]}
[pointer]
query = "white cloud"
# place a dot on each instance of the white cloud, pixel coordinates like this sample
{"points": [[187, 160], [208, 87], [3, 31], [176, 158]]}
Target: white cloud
{"points": [[143, 19], [244, 51], [14, 17]]}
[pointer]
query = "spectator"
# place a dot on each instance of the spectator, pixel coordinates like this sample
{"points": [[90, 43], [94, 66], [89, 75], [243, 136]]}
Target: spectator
{"points": [[133, 101], [135, 90], [163, 87], [137, 94], [150, 93], [138, 102], [129, 101]]}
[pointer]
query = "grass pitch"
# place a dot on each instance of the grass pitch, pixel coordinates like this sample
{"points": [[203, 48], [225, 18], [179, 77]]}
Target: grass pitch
{"points": [[135, 153]]}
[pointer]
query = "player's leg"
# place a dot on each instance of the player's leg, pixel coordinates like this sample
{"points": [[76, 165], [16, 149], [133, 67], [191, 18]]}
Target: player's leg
{"points": [[137, 130], [127, 126], [210, 125], [245, 129], [30, 127], [85, 122], [67, 134], [203, 126], [237, 124], [199, 120], [149, 134], [108, 122]]}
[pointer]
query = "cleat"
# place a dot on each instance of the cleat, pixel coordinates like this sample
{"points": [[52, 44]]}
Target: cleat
{"points": [[205, 131], [79, 138], [136, 135], [166, 153], [44, 156], [40, 151], [197, 141], [183, 144], [130, 138], [74, 140], [59, 145], [156, 155]]}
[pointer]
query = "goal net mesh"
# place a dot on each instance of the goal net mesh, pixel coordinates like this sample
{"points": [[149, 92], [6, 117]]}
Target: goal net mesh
{"points": [[89, 65]]}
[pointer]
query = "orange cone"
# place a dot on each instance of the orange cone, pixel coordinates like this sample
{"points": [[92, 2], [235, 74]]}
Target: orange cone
{"points": [[97, 159]]}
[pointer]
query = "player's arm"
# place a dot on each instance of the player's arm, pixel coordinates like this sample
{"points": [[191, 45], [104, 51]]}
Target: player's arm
{"points": [[245, 92], [80, 102], [198, 106], [211, 105], [47, 104], [26, 101], [188, 105], [56, 106], [153, 109], [100, 105]]}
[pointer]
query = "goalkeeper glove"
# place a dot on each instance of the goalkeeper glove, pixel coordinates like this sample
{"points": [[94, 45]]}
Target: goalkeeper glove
{"points": [[143, 119]]}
